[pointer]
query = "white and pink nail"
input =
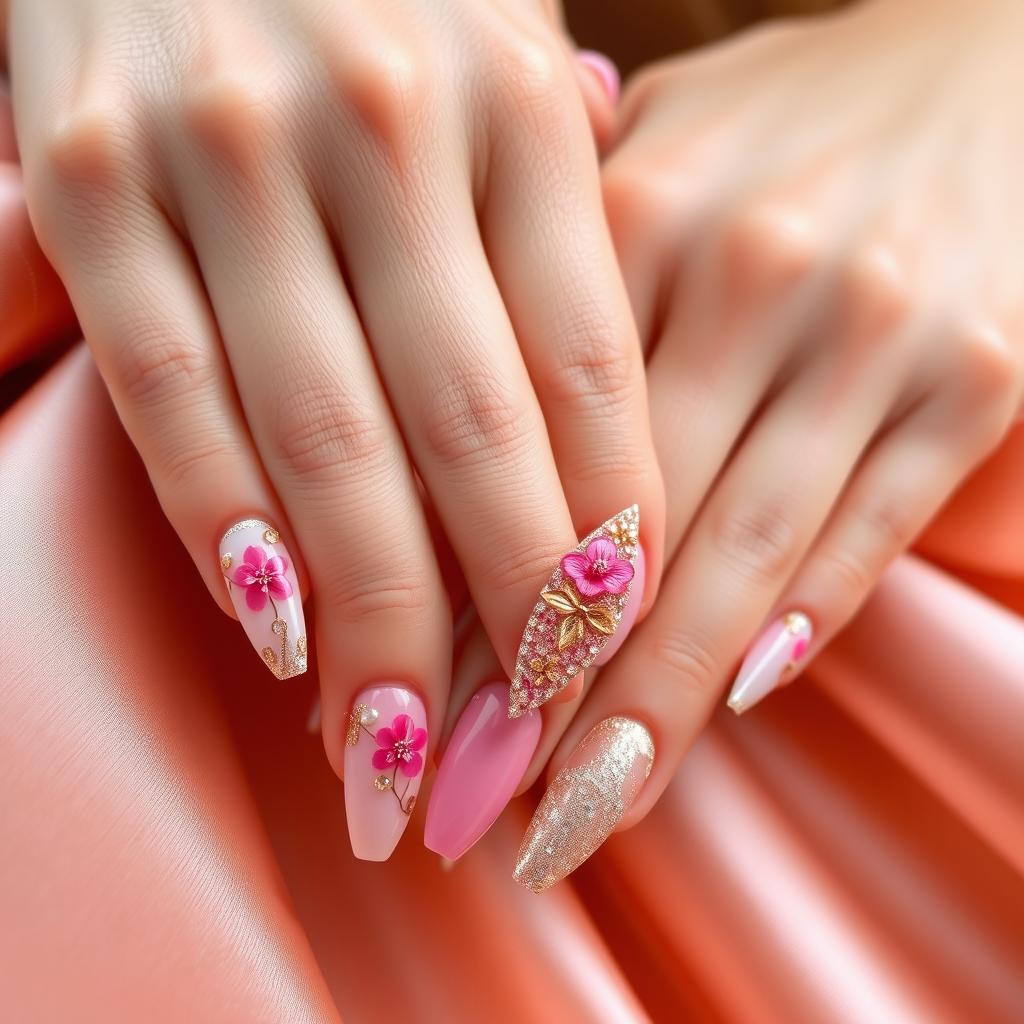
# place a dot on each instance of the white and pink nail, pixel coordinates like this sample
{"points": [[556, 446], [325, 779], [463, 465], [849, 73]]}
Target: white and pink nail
{"points": [[775, 655], [261, 579]]}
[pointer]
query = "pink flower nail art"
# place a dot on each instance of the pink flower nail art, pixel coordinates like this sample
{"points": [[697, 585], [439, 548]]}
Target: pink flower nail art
{"points": [[265, 593], [262, 577], [580, 608], [384, 767], [599, 570], [773, 657], [400, 745]]}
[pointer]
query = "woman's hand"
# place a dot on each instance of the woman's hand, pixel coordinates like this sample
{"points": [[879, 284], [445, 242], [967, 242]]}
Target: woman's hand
{"points": [[316, 246], [820, 228]]}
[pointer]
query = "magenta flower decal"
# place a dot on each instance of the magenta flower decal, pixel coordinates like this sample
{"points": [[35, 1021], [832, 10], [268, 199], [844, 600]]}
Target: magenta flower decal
{"points": [[399, 746], [599, 570], [263, 578]]}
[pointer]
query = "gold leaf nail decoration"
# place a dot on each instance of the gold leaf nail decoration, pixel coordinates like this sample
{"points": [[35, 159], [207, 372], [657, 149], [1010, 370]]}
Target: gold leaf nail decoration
{"points": [[578, 610]]}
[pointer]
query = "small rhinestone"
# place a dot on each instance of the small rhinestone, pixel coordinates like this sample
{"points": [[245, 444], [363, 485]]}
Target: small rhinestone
{"points": [[368, 716], [225, 561], [271, 536], [382, 783]]}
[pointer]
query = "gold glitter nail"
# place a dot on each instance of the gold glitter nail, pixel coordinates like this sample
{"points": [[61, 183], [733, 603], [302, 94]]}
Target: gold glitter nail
{"points": [[585, 801]]}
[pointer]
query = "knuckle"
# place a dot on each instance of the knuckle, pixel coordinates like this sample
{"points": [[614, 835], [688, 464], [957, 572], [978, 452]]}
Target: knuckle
{"points": [[319, 431], [473, 419], [234, 115], [767, 250], [193, 460], [595, 366], [687, 658], [534, 81], [637, 198], [874, 293], [389, 592], [757, 539], [159, 367], [517, 571], [92, 149], [387, 89], [848, 569]]}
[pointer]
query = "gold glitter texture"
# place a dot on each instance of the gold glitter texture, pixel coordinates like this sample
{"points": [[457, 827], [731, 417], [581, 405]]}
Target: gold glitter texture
{"points": [[566, 632], [288, 663], [585, 801]]}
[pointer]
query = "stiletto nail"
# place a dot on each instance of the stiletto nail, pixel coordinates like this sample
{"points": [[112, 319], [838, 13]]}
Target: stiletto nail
{"points": [[585, 801], [261, 579], [774, 655], [482, 765], [580, 608], [386, 742], [604, 67]]}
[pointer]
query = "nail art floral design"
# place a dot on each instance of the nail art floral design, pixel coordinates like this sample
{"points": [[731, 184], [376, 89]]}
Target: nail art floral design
{"points": [[398, 751], [578, 611], [264, 591]]}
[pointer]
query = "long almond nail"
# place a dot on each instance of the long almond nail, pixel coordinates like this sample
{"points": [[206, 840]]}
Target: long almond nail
{"points": [[386, 745], [579, 611], [585, 801], [774, 654], [265, 592], [482, 765]]}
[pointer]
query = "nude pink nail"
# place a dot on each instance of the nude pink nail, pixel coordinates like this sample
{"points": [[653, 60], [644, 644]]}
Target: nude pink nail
{"points": [[605, 69], [261, 579], [481, 768], [629, 613], [775, 653], [385, 752]]}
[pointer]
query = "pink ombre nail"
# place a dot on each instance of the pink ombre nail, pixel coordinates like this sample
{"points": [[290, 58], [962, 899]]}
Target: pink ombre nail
{"points": [[385, 754], [629, 613], [775, 653], [261, 579], [605, 69], [482, 765]]}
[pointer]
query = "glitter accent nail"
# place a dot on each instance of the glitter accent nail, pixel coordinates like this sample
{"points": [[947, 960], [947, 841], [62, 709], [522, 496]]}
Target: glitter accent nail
{"points": [[585, 801], [579, 610]]}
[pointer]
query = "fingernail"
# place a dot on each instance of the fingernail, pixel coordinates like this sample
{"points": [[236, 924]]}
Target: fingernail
{"points": [[604, 68], [482, 765], [585, 801], [580, 609], [385, 751], [629, 613], [775, 653], [265, 592]]}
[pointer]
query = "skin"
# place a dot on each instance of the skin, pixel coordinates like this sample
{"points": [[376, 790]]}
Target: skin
{"points": [[324, 252], [833, 327]]}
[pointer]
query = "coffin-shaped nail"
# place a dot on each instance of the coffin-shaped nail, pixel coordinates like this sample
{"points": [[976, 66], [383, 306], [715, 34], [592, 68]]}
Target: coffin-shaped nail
{"points": [[265, 592], [385, 752], [585, 801], [579, 611], [774, 654], [482, 765]]}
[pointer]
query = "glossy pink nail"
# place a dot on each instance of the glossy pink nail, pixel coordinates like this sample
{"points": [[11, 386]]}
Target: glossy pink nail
{"points": [[261, 579], [775, 653], [605, 69], [385, 754], [629, 613], [481, 768]]}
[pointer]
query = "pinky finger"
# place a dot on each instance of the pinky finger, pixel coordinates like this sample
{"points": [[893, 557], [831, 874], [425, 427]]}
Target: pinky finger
{"points": [[897, 490]]}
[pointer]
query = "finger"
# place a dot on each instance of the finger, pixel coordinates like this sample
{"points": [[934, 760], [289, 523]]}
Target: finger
{"points": [[553, 260], [322, 423], [146, 317], [455, 376], [891, 498]]}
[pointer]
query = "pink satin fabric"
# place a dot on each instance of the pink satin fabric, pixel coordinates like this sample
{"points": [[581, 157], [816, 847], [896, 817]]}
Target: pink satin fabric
{"points": [[174, 842]]}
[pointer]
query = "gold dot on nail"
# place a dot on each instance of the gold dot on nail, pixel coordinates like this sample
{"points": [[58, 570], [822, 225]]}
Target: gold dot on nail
{"points": [[382, 783], [271, 536], [225, 562]]}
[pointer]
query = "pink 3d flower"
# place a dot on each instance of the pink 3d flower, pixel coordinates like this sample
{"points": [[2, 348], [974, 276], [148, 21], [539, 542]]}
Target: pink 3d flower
{"points": [[400, 745], [261, 577], [599, 570]]}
